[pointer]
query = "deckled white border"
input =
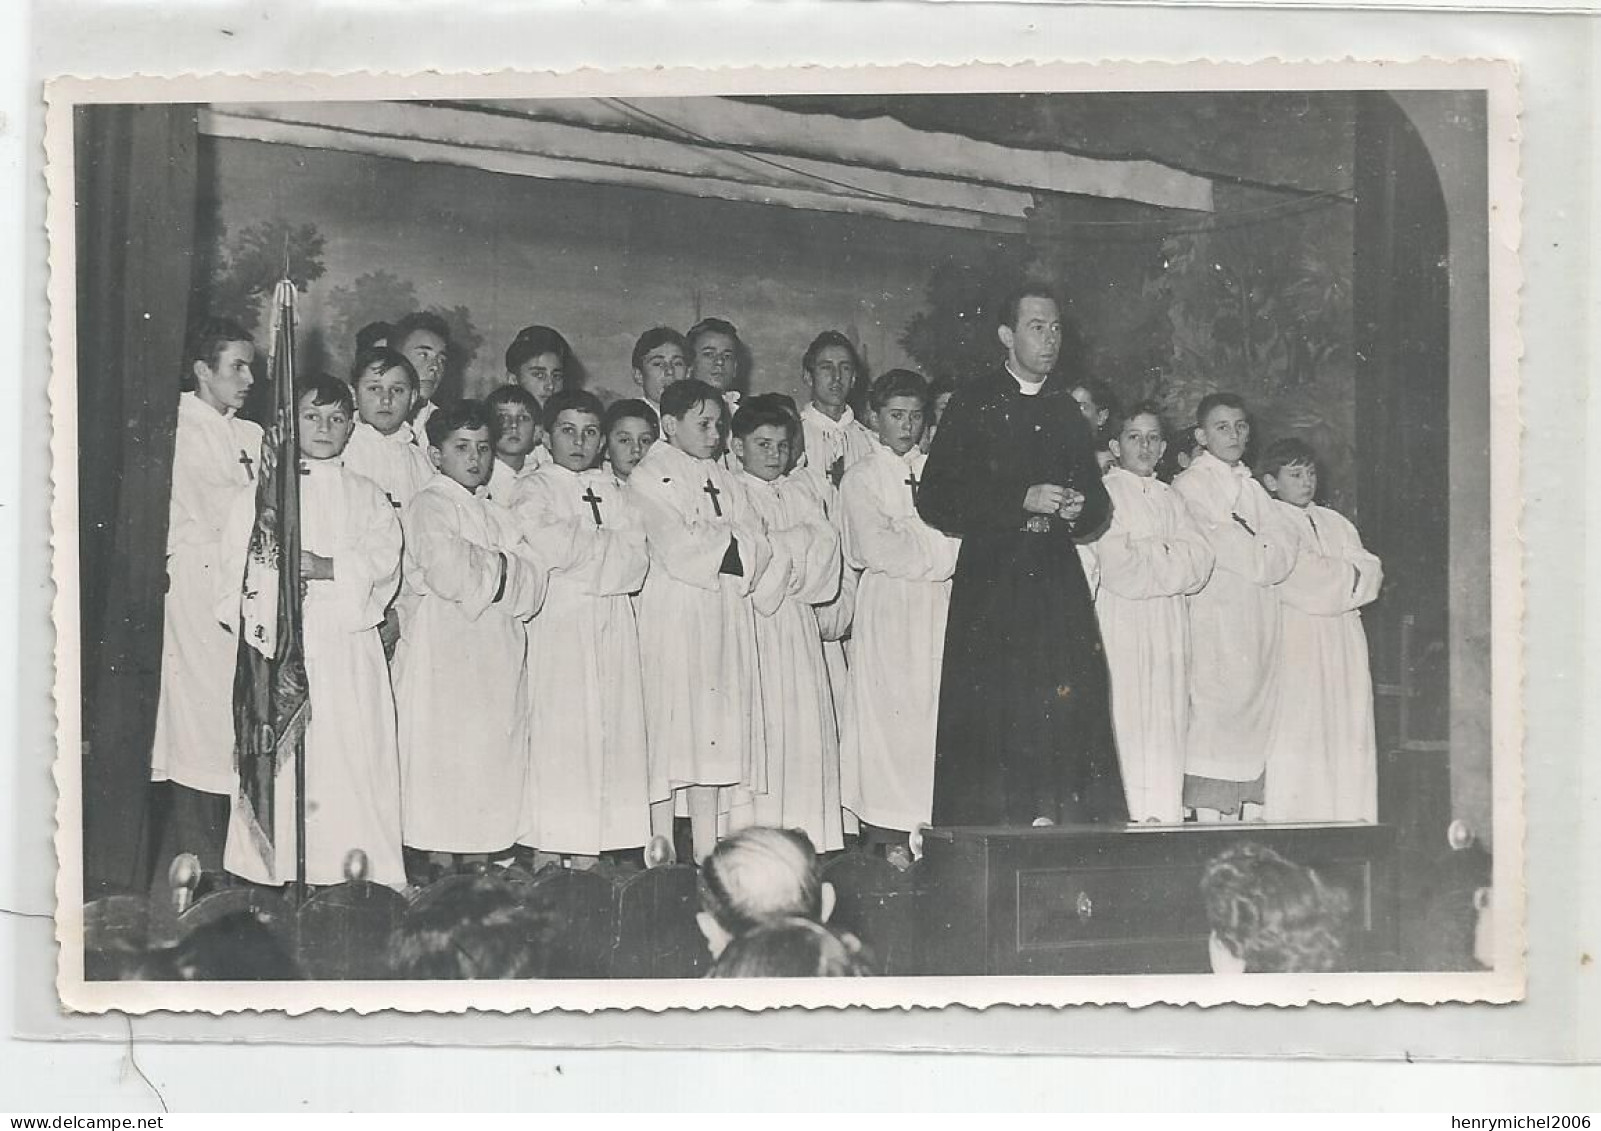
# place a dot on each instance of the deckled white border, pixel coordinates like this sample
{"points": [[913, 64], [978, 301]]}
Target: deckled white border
{"points": [[1504, 984]]}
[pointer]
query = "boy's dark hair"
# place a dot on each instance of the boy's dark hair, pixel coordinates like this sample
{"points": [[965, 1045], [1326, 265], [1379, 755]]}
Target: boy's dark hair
{"points": [[792, 947], [1119, 421], [571, 400], [897, 383], [1012, 304], [760, 873], [470, 927], [1215, 401], [631, 408], [765, 410], [1272, 913], [1292, 451], [655, 338], [419, 320], [373, 334], [471, 415], [1103, 395], [709, 326], [681, 396], [326, 390], [385, 357], [531, 341], [513, 394], [939, 386], [206, 339], [824, 340]]}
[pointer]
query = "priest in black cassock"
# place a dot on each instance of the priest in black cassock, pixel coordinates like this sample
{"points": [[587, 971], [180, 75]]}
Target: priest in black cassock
{"points": [[1025, 724]]}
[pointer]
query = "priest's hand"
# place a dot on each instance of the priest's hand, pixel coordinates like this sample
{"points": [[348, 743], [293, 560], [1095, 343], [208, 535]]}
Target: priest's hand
{"points": [[1072, 506], [1045, 498]]}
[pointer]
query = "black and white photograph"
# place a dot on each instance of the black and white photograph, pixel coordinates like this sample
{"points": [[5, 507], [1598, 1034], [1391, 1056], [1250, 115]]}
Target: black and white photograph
{"points": [[1027, 534]]}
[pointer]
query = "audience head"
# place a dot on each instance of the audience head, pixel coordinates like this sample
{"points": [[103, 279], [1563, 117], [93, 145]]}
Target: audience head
{"points": [[218, 356], [1270, 915], [325, 414], [572, 422], [459, 443], [470, 927], [940, 391], [385, 384], [693, 415], [1289, 471], [239, 947], [714, 353], [661, 356], [373, 334], [538, 359], [1137, 442], [424, 338], [1222, 426], [792, 947], [831, 366], [1031, 331], [514, 422], [759, 874], [764, 436], [630, 427], [897, 406]]}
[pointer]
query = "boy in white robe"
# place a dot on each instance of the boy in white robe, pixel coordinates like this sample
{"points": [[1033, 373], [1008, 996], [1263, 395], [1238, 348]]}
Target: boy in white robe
{"points": [[834, 441], [1150, 558], [589, 789], [1322, 757], [898, 640], [802, 735], [459, 681], [697, 632], [538, 361], [423, 338], [661, 356], [350, 563], [215, 461], [382, 444], [519, 443], [630, 427], [1234, 620]]}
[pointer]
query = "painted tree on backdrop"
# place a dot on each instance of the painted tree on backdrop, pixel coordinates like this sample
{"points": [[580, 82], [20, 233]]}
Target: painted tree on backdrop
{"points": [[381, 296], [238, 271]]}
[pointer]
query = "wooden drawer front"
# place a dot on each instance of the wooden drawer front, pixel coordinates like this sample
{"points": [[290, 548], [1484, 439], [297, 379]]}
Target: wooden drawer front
{"points": [[1059, 907]]}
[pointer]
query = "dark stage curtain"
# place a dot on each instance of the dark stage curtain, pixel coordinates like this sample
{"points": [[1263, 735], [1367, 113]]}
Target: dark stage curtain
{"points": [[135, 195]]}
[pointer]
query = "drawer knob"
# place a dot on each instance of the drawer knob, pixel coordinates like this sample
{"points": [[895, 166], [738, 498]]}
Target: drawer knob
{"points": [[1085, 905]]}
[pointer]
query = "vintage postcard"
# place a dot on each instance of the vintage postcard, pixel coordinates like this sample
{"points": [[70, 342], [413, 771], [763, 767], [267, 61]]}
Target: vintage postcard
{"points": [[897, 537]]}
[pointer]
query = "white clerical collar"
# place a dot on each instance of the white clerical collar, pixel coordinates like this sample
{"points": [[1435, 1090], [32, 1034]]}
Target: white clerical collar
{"points": [[1238, 470], [846, 418], [1027, 388]]}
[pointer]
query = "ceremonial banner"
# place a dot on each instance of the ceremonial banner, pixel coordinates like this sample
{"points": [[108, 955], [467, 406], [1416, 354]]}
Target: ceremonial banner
{"points": [[270, 701]]}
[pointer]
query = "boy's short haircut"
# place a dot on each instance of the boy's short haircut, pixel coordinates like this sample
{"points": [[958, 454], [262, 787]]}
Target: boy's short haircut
{"points": [[1102, 394], [681, 396], [205, 342], [373, 334], [1292, 451], [571, 400], [1012, 304], [709, 326], [764, 411], [419, 320], [471, 415], [822, 342], [897, 383], [325, 390], [654, 339], [531, 342], [1215, 401], [513, 394], [630, 409], [792, 947], [1118, 422], [386, 359], [939, 386]]}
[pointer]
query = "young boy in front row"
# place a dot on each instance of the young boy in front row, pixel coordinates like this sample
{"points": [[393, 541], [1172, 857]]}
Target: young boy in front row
{"points": [[588, 791], [802, 736], [458, 673], [350, 563], [899, 631], [514, 420], [697, 633], [629, 427], [382, 446], [1322, 757]]}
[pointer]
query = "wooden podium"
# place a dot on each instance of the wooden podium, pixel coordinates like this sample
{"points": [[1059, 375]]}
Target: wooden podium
{"points": [[1124, 900]]}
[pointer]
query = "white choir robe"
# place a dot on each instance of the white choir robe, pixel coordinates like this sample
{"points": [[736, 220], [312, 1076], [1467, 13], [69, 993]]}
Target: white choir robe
{"points": [[419, 425], [215, 461], [1322, 762], [589, 789], [1234, 621], [697, 630], [1150, 558], [831, 444], [507, 484], [352, 762], [460, 688], [898, 639], [797, 701], [395, 462]]}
